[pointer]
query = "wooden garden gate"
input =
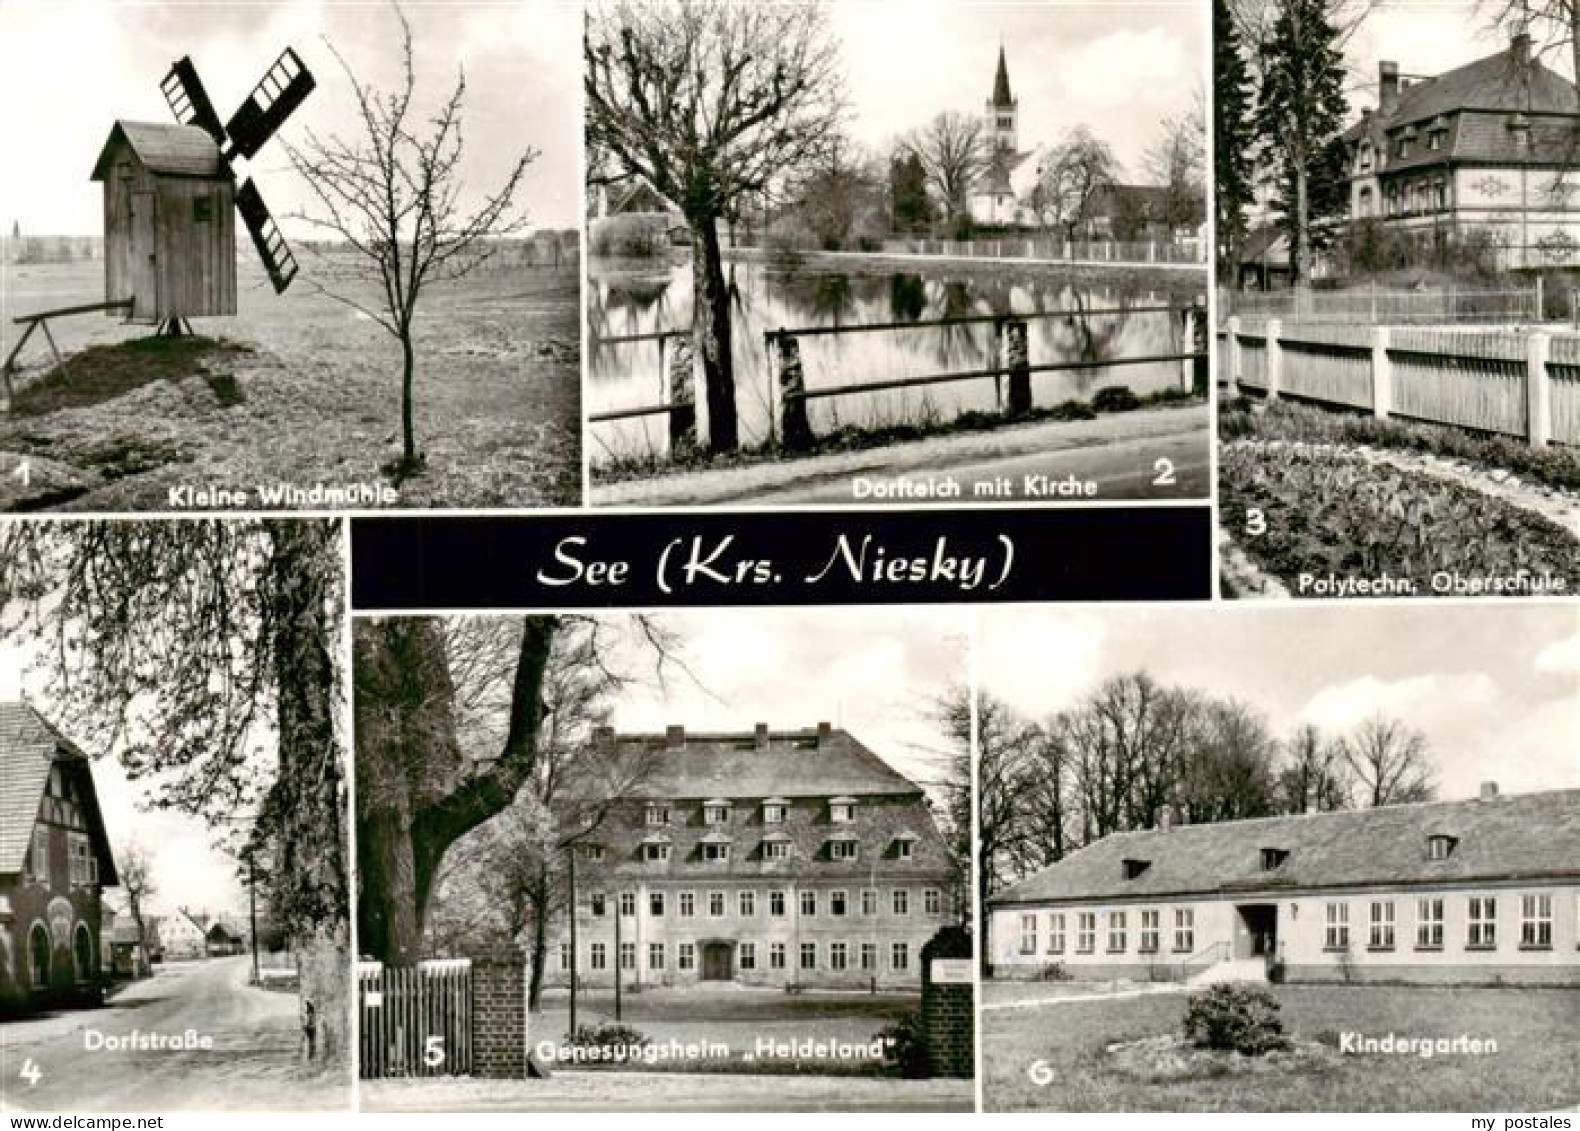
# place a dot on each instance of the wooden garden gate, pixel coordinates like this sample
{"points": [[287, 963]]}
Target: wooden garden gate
{"points": [[416, 1020]]}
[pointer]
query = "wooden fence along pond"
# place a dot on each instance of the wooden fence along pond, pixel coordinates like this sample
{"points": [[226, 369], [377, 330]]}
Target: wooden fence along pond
{"points": [[1520, 384], [790, 424]]}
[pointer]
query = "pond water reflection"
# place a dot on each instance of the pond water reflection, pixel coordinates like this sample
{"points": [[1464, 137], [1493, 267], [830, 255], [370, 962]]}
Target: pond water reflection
{"points": [[630, 374]]}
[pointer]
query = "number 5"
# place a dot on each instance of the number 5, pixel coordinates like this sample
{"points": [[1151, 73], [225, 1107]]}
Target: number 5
{"points": [[433, 1052]]}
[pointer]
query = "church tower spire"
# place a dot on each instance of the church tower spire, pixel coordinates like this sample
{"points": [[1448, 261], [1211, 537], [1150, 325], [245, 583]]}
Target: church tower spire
{"points": [[1003, 111]]}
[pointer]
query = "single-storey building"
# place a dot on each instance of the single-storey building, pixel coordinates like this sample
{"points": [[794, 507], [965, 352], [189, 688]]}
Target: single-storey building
{"points": [[1479, 891]]}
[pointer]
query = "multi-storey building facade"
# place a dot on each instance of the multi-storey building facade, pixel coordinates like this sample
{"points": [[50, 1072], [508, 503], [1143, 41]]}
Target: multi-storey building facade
{"points": [[1488, 148], [775, 858], [54, 861], [1475, 891]]}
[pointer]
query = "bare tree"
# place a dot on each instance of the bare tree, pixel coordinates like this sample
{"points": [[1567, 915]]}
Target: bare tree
{"points": [[135, 871], [1312, 773], [394, 195], [1177, 160], [1075, 171], [439, 753], [1554, 23], [710, 104], [1389, 762], [955, 150]]}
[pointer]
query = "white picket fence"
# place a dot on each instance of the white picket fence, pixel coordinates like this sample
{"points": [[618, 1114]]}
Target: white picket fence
{"points": [[1044, 248], [1525, 385]]}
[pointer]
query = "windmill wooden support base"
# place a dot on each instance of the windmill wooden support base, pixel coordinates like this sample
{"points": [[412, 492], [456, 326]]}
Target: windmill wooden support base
{"points": [[40, 321]]}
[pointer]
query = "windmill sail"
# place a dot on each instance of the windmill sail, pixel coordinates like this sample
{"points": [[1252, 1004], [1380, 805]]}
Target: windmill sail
{"points": [[271, 102], [189, 102], [266, 237]]}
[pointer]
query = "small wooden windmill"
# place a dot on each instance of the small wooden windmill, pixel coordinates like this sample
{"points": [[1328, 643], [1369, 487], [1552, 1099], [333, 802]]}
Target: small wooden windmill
{"points": [[169, 236]]}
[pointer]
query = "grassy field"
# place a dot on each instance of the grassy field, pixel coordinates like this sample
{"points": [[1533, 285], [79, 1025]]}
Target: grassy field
{"points": [[737, 1018], [299, 389], [1533, 1069]]}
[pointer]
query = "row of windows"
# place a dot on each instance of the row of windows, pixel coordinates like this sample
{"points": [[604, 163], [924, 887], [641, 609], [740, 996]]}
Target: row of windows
{"points": [[837, 904], [84, 865], [1481, 923], [841, 810], [1536, 927], [1148, 931], [718, 851], [831, 956]]}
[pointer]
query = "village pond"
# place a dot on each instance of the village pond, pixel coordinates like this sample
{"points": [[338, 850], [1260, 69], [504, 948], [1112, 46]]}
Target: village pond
{"points": [[1107, 320]]}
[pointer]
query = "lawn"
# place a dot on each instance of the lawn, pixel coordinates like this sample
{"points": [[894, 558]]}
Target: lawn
{"points": [[1534, 1068], [298, 389], [738, 1018]]}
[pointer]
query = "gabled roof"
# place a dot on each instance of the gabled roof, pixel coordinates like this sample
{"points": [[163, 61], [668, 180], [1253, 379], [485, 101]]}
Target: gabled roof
{"points": [[1001, 94], [29, 746], [1528, 836], [1474, 107], [736, 767], [177, 151]]}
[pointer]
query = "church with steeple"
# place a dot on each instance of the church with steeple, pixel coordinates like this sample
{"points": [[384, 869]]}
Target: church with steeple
{"points": [[996, 196]]}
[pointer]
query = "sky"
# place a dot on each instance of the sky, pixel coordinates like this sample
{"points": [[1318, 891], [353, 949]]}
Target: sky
{"points": [[875, 672], [1119, 67], [69, 69], [1495, 687], [1430, 38], [187, 870]]}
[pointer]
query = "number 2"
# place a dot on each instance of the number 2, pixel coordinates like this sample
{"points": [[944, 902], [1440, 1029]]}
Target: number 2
{"points": [[1163, 468]]}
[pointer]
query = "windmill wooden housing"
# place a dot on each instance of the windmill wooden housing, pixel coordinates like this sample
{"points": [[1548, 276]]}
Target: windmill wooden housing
{"points": [[169, 233], [169, 229]]}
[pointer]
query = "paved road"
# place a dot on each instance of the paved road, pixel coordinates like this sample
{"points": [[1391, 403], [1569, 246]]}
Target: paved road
{"points": [[253, 1061]]}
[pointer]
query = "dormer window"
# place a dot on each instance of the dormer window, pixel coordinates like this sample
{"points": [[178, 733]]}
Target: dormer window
{"points": [[1134, 868], [716, 813], [775, 809], [842, 810], [1273, 858], [776, 848], [1440, 847], [590, 852], [843, 848], [655, 850], [657, 814], [904, 845], [715, 848]]}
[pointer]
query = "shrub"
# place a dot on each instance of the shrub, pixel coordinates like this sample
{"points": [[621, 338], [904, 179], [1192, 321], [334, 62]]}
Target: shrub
{"points": [[1053, 972], [609, 1035], [1115, 398], [1071, 410], [905, 1046], [1235, 1017], [633, 235]]}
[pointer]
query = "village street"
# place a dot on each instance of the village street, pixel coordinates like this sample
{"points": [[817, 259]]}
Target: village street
{"points": [[252, 1061]]}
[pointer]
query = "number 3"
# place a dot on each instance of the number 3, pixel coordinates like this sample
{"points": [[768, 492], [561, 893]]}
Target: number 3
{"points": [[1255, 522]]}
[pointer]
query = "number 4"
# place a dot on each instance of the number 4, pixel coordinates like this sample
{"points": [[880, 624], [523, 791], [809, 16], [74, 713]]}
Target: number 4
{"points": [[31, 1072]]}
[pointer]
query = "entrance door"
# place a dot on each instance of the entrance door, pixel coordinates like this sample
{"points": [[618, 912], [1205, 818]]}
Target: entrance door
{"points": [[1259, 924], [38, 946], [717, 960], [145, 256]]}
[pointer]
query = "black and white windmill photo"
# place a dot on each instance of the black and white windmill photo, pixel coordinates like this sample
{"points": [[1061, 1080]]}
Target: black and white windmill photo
{"points": [[839, 253], [300, 256]]}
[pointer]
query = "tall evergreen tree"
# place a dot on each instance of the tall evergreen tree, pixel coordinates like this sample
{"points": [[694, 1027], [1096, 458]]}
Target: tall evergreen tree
{"points": [[1233, 140], [1300, 109]]}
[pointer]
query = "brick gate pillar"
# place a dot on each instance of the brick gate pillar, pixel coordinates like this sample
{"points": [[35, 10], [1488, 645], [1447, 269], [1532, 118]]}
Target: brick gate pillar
{"points": [[949, 1003], [499, 1015]]}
